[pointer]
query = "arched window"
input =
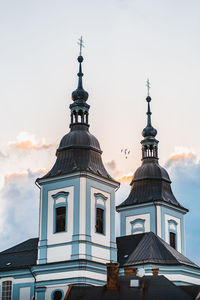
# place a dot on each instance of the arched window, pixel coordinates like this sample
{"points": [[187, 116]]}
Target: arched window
{"points": [[57, 295], [60, 219], [172, 239], [172, 233], [99, 220], [60, 214], [100, 213], [137, 226], [7, 290]]}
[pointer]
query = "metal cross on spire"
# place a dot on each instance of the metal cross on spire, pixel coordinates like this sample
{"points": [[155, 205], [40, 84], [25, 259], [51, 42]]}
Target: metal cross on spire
{"points": [[80, 43], [148, 86]]}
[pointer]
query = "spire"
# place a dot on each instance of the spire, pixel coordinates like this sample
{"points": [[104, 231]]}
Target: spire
{"points": [[149, 131], [149, 143], [80, 93], [79, 109], [148, 99]]}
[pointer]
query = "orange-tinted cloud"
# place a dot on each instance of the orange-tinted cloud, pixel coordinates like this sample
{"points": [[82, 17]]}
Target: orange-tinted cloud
{"points": [[14, 176], [28, 141], [181, 154], [118, 175], [125, 178]]}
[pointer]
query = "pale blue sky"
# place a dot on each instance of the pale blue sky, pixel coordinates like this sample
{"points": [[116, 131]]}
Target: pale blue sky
{"points": [[126, 42]]}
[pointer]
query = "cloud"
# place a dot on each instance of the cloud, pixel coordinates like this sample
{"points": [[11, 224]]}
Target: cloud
{"points": [[28, 141], [2, 155], [125, 178], [111, 165], [181, 154], [184, 171], [116, 174], [19, 196], [19, 208], [26, 151]]}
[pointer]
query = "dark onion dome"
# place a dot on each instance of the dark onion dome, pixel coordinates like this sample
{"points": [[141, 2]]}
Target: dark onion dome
{"points": [[151, 183], [79, 137], [79, 150], [79, 94], [149, 131]]}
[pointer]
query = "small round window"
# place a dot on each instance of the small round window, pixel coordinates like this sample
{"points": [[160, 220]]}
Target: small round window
{"points": [[57, 295]]}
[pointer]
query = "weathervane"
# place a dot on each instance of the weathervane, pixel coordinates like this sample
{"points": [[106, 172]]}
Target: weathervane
{"points": [[80, 43], [148, 86]]}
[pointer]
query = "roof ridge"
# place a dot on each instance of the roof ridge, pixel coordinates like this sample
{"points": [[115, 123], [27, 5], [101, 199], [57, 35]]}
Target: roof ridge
{"points": [[152, 249], [9, 250], [171, 250], [13, 252]]}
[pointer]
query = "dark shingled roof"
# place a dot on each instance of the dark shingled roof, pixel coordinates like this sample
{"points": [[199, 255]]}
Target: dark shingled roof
{"points": [[20, 256], [192, 290], [150, 183], [147, 248], [151, 288], [79, 150]]}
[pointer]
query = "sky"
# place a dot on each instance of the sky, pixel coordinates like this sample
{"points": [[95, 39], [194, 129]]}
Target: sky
{"points": [[126, 42]]}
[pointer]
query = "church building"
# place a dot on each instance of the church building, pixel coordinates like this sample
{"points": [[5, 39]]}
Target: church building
{"points": [[77, 241], [152, 230]]}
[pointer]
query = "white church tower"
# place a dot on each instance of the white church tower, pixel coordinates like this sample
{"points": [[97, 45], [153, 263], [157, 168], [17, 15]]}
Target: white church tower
{"points": [[151, 205], [77, 204]]}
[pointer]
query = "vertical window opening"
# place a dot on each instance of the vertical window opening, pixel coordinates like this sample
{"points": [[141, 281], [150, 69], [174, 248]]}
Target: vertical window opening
{"points": [[60, 219], [100, 220], [7, 290], [172, 237], [57, 295]]}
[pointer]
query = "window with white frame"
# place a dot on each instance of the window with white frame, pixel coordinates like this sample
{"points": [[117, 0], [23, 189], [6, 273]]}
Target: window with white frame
{"points": [[60, 219], [99, 220], [137, 226], [60, 212], [7, 290], [172, 227], [100, 213]]}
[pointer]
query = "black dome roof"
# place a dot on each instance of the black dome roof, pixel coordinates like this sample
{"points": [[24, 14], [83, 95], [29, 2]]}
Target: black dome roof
{"points": [[79, 150], [79, 136], [150, 169], [150, 183]]}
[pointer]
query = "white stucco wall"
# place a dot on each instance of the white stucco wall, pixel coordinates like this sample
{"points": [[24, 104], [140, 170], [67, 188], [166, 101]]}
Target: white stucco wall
{"points": [[145, 217], [178, 221]]}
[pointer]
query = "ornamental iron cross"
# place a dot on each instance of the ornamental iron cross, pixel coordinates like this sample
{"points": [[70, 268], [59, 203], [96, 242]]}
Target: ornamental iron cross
{"points": [[80, 43], [148, 86]]}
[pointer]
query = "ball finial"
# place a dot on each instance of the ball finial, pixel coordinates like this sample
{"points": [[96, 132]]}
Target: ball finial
{"points": [[148, 99], [80, 59]]}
